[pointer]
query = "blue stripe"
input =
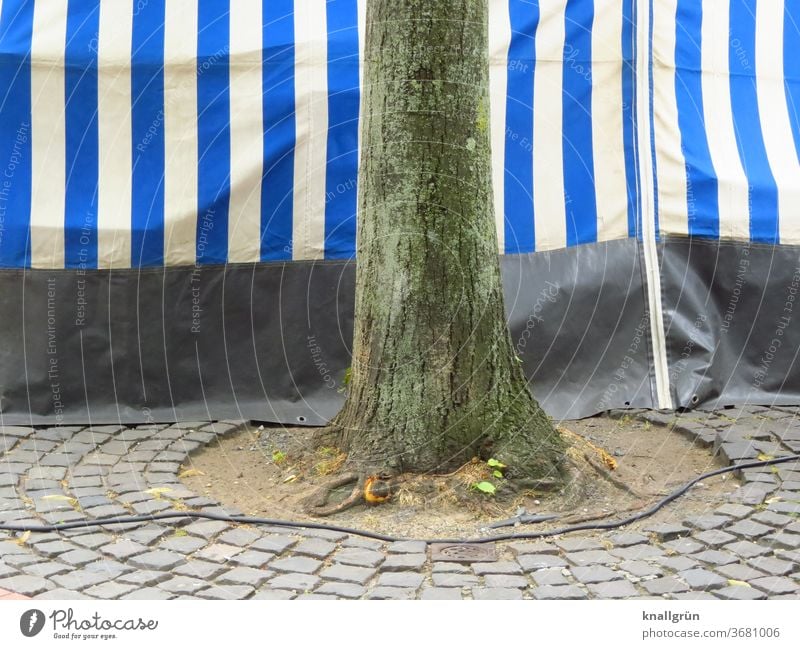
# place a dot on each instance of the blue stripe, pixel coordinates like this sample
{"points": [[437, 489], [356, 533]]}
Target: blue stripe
{"points": [[277, 185], [16, 29], [629, 111], [580, 200], [747, 124], [791, 67], [651, 113], [80, 80], [342, 151], [147, 87], [213, 131], [701, 180], [518, 173]]}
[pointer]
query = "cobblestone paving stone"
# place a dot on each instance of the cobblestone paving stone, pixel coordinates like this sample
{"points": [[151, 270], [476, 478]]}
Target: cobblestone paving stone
{"points": [[746, 546]]}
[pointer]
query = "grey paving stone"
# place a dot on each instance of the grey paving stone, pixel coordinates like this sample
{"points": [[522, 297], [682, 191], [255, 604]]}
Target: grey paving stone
{"points": [[771, 518], [550, 577], [52, 548], [62, 594], [358, 542], [506, 581], [143, 578], [110, 590], [400, 579], [664, 585], [317, 548], [123, 549], [108, 567], [273, 543], [578, 544], [408, 547], [296, 564], [79, 579], [148, 593], [740, 572], [684, 546], [353, 574], [771, 565], [628, 538], [451, 566], [592, 557], [746, 549], [748, 529], [497, 568], [775, 585], [637, 552], [701, 579], [246, 576], [229, 592], [159, 560], [45, 569], [79, 557], [782, 540], [453, 579], [641, 569], [676, 563], [219, 552], [707, 522], [595, 574], [613, 589], [147, 535], [274, 594], [715, 557], [239, 536], [388, 592], [740, 592], [200, 569], [359, 557], [341, 589], [434, 593], [206, 529], [182, 544], [667, 531], [253, 558], [294, 581], [558, 592], [29, 585], [692, 595], [714, 538], [92, 541], [399, 562], [750, 494], [531, 562], [496, 593], [537, 547]]}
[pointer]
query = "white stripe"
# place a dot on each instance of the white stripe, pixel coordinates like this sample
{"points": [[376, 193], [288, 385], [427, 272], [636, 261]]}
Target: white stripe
{"points": [[114, 125], [608, 141], [180, 132], [499, 41], [311, 113], [244, 228], [48, 134], [652, 275], [548, 155], [734, 217], [673, 211], [774, 114]]}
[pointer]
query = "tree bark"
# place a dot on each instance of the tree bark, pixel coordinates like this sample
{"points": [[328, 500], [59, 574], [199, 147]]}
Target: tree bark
{"points": [[434, 378]]}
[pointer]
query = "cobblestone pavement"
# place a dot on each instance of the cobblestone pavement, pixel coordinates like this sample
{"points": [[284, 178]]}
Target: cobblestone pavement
{"points": [[745, 548]]}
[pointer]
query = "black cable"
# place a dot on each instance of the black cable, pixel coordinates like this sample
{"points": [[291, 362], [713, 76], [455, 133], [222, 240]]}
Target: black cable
{"points": [[147, 518]]}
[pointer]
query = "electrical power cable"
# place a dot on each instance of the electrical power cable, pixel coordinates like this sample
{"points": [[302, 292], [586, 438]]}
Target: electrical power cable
{"points": [[250, 520]]}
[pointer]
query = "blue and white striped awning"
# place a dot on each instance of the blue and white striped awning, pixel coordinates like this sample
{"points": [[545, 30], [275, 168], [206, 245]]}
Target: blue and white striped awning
{"points": [[148, 133]]}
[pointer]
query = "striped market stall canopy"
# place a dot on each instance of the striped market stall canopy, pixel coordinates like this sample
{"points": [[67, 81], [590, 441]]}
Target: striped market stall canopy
{"points": [[153, 135]]}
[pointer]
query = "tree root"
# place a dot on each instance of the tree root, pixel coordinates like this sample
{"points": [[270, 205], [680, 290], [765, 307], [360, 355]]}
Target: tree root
{"points": [[317, 504]]}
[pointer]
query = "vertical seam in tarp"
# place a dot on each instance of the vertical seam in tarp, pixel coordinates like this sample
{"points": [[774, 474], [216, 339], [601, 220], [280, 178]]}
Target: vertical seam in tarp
{"points": [[648, 206]]}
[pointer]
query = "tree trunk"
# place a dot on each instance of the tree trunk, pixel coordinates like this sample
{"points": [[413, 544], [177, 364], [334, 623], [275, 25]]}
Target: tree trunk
{"points": [[434, 379]]}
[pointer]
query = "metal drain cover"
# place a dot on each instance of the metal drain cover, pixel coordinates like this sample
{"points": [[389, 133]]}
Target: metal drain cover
{"points": [[463, 552]]}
